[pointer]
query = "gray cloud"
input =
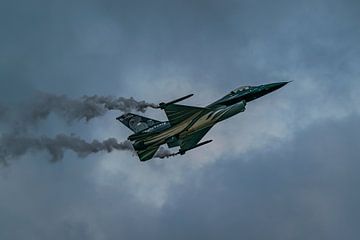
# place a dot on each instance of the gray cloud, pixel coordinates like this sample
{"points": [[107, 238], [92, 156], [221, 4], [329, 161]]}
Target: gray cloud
{"points": [[304, 189], [297, 181], [3, 111]]}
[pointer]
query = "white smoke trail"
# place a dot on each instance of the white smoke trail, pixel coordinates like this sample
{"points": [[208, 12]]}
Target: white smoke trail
{"points": [[13, 146], [86, 107], [16, 143], [164, 153]]}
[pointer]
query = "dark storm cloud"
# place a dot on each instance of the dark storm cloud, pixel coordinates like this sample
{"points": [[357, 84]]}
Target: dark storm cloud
{"points": [[240, 42], [304, 189]]}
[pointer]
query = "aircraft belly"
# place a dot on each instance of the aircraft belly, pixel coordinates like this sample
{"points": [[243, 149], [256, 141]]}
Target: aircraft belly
{"points": [[161, 137], [204, 121]]}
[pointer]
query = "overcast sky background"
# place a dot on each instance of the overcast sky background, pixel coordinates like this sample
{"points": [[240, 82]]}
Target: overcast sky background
{"points": [[286, 168]]}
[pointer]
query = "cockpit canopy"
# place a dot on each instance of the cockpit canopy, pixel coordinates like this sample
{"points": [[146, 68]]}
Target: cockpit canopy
{"points": [[240, 89]]}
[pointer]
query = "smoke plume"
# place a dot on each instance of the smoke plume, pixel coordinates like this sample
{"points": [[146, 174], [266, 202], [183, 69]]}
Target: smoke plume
{"points": [[164, 153], [18, 142], [86, 107], [13, 146]]}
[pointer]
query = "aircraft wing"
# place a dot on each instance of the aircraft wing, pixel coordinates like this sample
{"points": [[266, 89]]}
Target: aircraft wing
{"points": [[147, 153], [177, 113], [191, 140]]}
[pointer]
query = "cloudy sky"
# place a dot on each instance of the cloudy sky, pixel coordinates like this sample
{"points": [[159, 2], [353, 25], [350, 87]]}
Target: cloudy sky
{"points": [[286, 168]]}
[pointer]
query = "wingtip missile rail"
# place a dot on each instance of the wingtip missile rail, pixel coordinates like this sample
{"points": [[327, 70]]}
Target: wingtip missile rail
{"points": [[163, 105], [183, 151]]}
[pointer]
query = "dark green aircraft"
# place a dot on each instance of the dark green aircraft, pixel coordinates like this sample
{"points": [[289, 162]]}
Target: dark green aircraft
{"points": [[187, 125]]}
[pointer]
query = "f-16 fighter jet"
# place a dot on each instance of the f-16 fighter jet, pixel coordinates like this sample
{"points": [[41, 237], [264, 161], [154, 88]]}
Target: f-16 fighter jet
{"points": [[187, 125]]}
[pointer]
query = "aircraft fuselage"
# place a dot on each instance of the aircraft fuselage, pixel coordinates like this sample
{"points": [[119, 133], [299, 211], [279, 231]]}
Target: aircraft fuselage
{"points": [[224, 108]]}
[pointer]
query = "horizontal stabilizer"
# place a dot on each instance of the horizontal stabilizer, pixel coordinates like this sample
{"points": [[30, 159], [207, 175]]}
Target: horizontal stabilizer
{"points": [[147, 153]]}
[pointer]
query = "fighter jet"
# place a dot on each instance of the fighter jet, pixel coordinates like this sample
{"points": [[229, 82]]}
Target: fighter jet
{"points": [[187, 125]]}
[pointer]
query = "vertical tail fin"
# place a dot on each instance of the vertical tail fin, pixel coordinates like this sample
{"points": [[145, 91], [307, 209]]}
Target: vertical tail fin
{"points": [[136, 123]]}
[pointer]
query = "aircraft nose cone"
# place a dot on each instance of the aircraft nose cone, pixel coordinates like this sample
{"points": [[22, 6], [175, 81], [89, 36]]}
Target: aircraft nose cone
{"points": [[275, 86], [262, 90], [266, 89]]}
